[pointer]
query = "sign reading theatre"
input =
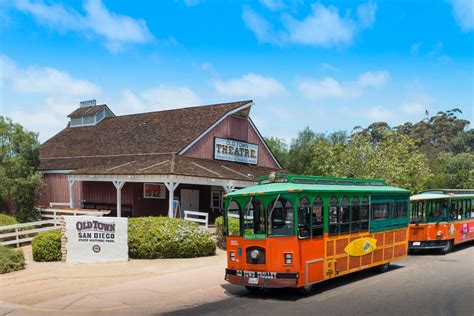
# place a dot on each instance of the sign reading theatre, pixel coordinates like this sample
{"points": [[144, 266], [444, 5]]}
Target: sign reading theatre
{"points": [[96, 239], [234, 150]]}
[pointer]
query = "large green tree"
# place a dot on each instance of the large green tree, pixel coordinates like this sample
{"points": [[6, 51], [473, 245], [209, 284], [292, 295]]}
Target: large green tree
{"points": [[20, 182]]}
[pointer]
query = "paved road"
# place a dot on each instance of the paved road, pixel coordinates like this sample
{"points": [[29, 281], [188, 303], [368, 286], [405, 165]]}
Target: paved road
{"points": [[422, 284]]}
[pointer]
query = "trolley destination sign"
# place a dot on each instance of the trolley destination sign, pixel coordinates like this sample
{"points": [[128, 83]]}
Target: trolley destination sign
{"points": [[236, 151]]}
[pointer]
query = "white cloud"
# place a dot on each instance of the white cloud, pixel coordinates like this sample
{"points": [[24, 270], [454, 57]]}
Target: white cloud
{"points": [[40, 98], [262, 29], [117, 30], [324, 26], [316, 89], [43, 80], [463, 11], [162, 97], [273, 5], [250, 85], [329, 87], [379, 113], [373, 79], [366, 14]]}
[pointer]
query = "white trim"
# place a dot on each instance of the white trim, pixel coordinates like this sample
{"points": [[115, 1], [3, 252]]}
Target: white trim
{"points": [[163, 179], [237, 172], [204, 168], [152, 166], [55, 171], [122, 165], [240, 108], [263, 141]]}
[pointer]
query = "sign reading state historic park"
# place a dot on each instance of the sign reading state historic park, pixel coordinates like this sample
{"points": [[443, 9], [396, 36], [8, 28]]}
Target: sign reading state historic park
{"points": [[96, 239], [234, 150]]}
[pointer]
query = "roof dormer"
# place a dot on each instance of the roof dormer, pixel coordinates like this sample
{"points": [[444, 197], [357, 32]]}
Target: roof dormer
{"points": [[89, 113]]}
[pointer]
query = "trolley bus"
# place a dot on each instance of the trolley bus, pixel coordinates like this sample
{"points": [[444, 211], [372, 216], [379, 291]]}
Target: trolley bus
{"points": [[441, 219], [295, 231]]}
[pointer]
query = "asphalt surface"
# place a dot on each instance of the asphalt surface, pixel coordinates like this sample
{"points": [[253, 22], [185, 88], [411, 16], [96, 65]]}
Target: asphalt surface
{"points": [[425, 283]]}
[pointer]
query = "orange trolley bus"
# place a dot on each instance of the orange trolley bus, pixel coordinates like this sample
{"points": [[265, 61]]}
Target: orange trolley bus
{"points": [[295, 231], [441, 219]]}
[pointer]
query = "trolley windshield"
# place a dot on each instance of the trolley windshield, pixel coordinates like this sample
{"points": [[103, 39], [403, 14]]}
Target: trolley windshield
{"points": [[253, 216]]}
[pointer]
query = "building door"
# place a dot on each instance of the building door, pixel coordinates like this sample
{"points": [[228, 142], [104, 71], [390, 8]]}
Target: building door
{"points": [[190, 200]]}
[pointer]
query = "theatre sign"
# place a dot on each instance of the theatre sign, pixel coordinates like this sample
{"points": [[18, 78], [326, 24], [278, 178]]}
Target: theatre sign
{"points": [[236, 151]]}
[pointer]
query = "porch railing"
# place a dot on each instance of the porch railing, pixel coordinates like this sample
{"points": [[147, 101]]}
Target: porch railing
{"points": [[198, 217]]}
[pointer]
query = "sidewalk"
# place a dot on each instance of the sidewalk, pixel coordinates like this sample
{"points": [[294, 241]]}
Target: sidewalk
{"points": [[136, 287]]}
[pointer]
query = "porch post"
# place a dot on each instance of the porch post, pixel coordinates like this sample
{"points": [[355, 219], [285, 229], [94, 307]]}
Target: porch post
{"points": [[119, 185], [71, 193], [171, 186]]}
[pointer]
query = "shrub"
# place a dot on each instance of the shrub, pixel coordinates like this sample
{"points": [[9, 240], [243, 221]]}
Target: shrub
{"points": [[11, 260], [6, 220], [163, 237], [46, 246], [234, 229]]}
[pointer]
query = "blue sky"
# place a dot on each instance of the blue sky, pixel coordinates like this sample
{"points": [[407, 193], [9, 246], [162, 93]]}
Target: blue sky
{"points": [[327, 65]]}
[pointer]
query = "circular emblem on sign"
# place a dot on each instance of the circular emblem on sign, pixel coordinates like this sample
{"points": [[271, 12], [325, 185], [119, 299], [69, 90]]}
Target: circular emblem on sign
{"points": [[96, 248]]}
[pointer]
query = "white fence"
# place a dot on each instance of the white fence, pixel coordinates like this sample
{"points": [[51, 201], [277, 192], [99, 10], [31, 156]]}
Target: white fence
{"points": [[18, 234], [198, 217]]}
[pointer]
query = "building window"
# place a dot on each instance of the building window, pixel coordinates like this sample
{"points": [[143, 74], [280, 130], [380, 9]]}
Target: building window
{"points": [[216, 201], [154, 191]]}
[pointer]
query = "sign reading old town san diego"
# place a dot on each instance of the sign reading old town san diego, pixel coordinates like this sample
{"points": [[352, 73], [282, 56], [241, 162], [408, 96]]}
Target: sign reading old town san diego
{"points": [[234, 150], [96, 239]]}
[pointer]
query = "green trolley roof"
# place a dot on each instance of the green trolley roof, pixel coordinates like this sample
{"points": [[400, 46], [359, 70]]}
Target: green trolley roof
{"points": [[284, 183]]}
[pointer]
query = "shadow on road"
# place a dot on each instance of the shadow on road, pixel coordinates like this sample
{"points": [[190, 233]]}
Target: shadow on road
{"points": [[291, 294]]}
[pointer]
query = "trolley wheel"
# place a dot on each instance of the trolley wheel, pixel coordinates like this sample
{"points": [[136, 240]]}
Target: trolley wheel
{"points": [[447, 249], [253, 289], [305, 290], [383, 267]]}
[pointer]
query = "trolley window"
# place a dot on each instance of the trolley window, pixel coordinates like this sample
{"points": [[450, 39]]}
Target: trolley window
{"points": [[333, 216], [318, 217], [304, 218], [254, 217], [281, 217], [234, 217]]}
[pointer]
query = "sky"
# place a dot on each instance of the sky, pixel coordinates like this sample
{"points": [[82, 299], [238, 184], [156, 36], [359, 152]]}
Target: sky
{"points": [[327, 65]]}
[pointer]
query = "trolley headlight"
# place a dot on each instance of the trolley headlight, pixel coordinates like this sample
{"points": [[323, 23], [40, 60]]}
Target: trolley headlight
{"points": [[439, 233], [288, 258], [254, 254], [232, 256]]}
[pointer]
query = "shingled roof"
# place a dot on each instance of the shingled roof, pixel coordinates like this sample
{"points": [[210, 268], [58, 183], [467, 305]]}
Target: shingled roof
{"points": [[153, 132], [87, 110], [130, 144]]}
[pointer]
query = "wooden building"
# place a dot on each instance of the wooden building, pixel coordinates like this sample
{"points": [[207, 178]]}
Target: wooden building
{"points": [[145, 164]]}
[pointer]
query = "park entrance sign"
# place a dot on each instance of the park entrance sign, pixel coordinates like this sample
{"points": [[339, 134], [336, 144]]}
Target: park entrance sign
{"points": [[96, 239]]}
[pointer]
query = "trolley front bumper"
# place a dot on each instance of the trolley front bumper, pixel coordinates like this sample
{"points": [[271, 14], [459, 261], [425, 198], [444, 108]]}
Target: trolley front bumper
{"points": [[427, 244], [261, 279]]}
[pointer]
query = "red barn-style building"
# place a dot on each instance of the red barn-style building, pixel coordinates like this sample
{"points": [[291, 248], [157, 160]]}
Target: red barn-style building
{"points": [[144, 164]]}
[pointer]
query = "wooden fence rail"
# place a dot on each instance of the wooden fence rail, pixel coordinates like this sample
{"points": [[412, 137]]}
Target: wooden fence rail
{"points": [[18, 234]]}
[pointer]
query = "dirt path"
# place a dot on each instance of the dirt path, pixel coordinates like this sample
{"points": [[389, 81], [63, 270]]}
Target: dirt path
{"points": [[44, 281]]}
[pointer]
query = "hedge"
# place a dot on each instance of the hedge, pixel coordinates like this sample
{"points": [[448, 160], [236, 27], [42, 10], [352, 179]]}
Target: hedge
{"points": [[6, 220], [46, 246], [233, 228], [11, 260], [163, 237]]}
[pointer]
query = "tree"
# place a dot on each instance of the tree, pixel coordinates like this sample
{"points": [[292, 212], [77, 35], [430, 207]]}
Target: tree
{"points": [[455, 171], [391, 156], [19, 180], [279, 148], [300, 154]]}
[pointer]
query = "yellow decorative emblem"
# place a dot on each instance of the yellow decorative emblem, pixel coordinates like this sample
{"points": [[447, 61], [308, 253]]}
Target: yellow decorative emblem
{"points": [[361, 246]]}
